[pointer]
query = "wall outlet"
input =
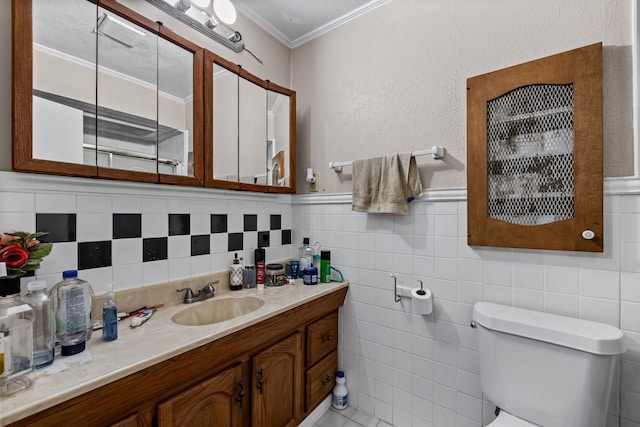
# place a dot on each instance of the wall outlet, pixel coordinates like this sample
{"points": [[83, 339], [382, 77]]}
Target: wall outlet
{"points": [[314, 187]]}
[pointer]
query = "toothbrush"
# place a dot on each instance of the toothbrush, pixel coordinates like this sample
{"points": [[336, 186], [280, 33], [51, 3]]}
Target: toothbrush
{"points": [[142, 317]]}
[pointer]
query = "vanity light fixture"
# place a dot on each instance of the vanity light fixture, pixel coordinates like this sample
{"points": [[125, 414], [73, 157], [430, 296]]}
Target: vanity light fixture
{"points": [[118, 30], [210, 17]]}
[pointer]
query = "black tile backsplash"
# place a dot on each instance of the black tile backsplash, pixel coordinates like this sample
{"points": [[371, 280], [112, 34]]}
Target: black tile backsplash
{"points": [[97, 254], [200, 245], [263, 239], [235, 242], [218, 223], [179, 224], [61, 227], [276, 222], [154, 249], [251, 223], [127, 226], [94, 255]]}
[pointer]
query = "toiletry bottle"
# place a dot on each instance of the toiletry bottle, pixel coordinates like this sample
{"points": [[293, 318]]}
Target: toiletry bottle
{"points": [[44, 328], [236, 274], [340, 393], [110, 318], [72, 299], [325, 267], [259, 255], [16, 343], [306, 254]]}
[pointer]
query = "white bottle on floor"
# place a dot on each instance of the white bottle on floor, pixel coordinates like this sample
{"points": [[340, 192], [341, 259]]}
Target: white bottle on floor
{"points": [[340, 392]]}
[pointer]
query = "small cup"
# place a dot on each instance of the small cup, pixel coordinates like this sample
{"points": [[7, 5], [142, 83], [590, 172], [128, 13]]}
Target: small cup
{"points": [[295, 269]]}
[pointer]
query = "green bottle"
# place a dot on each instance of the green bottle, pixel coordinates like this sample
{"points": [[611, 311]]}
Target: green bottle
{"points": [[325, 266]]}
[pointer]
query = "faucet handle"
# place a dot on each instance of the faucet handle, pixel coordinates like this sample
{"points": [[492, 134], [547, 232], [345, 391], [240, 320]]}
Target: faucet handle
{"points": [[209, 290], [188, 295]]}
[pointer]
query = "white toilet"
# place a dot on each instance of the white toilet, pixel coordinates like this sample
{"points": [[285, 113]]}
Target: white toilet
{"points": [[545, 370]]}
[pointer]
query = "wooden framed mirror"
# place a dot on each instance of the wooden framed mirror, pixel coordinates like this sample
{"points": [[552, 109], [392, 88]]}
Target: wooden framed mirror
{"points": [[249, 130], [111, 94]]}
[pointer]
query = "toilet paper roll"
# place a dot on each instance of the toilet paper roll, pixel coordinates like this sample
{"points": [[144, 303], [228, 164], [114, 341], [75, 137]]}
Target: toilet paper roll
{"points": [[422, 304]]}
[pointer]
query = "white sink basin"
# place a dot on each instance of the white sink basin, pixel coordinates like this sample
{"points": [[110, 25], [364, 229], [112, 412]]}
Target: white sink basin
{"points": [[217, 310]]}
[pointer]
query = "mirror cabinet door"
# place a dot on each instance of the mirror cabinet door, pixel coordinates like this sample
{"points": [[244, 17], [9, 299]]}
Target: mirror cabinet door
{"points": [[278, 138], [222, 144], [180, 107], [55, 44], [252, 137], [127, 103]]}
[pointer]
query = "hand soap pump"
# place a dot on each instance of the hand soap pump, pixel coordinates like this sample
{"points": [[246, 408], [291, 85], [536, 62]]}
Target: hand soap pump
{"points": [[110, 318], [236, 274]]}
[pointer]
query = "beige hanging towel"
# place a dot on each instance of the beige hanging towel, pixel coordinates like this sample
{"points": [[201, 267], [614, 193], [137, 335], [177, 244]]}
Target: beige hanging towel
{"points": [[385, 184]]}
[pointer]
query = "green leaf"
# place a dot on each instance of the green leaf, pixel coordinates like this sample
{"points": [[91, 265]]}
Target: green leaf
{"points": [[38, 234], [40, 250], [20, 234]]}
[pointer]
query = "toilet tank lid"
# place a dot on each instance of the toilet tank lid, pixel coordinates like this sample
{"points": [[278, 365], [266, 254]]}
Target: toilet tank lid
{"points": [[585, 335]]}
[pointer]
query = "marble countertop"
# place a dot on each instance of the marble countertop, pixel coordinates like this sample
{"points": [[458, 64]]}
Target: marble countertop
{"points": [[138, 348]]}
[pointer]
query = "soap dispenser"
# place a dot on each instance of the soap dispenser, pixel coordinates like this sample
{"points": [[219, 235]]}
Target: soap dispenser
{"points": [[236, 274]]}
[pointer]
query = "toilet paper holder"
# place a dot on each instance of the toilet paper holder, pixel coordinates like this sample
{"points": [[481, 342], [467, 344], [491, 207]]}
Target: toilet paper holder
{"points": [[421, 298], [403, 291]]}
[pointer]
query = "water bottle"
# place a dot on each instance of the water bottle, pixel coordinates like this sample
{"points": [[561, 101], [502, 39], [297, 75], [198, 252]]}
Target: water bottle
{"points": [[73, 298], [306, 254], [39, 299], [340, 393]]}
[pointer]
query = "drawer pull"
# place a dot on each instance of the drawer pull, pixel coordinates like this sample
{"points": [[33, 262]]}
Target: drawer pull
{"points": [[260, 381], [326, 380], [327, 338], [241, 393]]}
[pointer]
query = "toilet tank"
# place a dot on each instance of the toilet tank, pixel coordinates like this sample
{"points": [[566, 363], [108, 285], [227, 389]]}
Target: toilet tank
{"points": [[550, 370]]}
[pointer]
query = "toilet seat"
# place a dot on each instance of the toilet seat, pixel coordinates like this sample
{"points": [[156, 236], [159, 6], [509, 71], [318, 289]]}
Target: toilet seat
{"points": [[507, 420]]}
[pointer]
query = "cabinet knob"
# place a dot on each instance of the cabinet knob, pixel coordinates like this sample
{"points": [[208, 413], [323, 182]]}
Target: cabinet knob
{"points": [[588, 234], [327, 338]]}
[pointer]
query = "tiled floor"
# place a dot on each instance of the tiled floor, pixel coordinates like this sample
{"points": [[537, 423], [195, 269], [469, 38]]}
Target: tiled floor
{"points": [[349, 418]]}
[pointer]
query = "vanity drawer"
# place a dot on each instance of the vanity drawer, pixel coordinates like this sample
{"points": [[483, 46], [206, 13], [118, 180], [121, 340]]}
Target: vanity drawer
{"points": [[321, 379], [322, 338]]}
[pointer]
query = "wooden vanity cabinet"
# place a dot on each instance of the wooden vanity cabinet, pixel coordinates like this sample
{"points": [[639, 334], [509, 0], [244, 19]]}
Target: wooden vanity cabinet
{"points": [[534, 154], [217, 383]]}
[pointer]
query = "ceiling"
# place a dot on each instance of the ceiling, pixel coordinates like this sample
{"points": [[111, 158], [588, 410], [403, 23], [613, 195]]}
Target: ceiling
{"points": [[295, 22]]}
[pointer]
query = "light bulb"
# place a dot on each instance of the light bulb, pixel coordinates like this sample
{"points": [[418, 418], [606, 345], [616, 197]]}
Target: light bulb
{"points": [[225, 11]]}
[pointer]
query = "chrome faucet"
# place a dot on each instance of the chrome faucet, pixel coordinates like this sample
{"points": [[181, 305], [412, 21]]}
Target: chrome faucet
{"points": [[208, 291]]}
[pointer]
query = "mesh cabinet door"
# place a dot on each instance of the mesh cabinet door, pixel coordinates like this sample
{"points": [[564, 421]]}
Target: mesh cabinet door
{"points": [[534, 154]]}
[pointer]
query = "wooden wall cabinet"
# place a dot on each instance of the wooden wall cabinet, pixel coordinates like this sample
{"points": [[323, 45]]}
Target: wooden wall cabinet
{"points": [[534, 154], [255, 376]]}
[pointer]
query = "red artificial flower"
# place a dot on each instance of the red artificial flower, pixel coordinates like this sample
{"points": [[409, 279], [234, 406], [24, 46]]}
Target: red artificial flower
{"points": [[14, 255]]}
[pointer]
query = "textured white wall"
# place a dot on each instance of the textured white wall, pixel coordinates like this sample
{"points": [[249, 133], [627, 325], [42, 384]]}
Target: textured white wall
{"points": [[395, 79]]}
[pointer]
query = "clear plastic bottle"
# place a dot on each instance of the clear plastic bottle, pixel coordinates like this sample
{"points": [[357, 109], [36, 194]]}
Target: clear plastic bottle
{"points": [[110, 318], [39, 298], [340, 393], [73, 297], [306, 254], [16, 345]]}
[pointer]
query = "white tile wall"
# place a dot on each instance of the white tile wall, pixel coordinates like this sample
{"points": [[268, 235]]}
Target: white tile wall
{"points": [[424, 371]]}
